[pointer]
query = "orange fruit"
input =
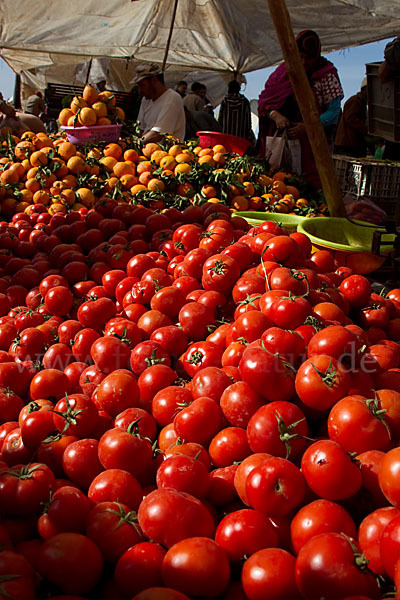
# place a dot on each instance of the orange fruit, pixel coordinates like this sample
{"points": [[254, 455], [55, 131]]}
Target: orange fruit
{"points": [[175, 149], [9, 176], [264, 180], [256, 203], [41, 197], [100, 108], [32, 185], [90, 94], [123, 168], [43, 141], [209, 191], [158, 155], [131, 154], [120, 113], [113, 150], [128, 181], [137, 188], [206, 158], [144, 166], [183, 189], [77, 103], [108, 163], [145, 177], [38, 159], [156, 185], [107, 97], [69, 180], [182, 168], [94, 153], [280, 176], [103, 121], [87, 117], [150, 148], [206, 152], [290, 189], [66, 150], [64, 116], [76, 164], [219, 148], [220, 158], [279, 186], [183, 157], [85, 197], [240, 203], [57, 208], [68, 196], [22, 148], [248, 189]]}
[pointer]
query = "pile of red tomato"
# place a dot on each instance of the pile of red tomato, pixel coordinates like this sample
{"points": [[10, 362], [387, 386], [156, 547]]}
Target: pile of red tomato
{"points": [[190, 408]]}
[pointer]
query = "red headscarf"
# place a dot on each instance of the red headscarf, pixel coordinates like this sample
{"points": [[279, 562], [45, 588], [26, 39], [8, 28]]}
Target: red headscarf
{"points": [[278, 86]]}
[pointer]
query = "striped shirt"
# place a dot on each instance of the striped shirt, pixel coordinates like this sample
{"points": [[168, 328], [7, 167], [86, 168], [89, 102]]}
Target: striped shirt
{"points": [[234, 116]]}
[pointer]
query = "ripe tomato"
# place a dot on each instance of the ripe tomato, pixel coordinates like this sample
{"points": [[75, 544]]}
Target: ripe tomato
{"points": [[116, 485], [139, 568], [270, 573], [239, 402], [388, 476], [268, 374], [370, 533], [320, 516], [275, 487], [196, 565], [329, 471], [24, 488], [168, 516], [243, 532], [185, 474], [321, 381], [117, 392], [198, 422], [325, 567], [67, 553]]}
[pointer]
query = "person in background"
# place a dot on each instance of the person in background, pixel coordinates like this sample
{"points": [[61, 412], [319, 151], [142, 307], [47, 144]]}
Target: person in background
{"points": [[35, 104], [278, 108], [388, 69], [207, 104], [17, 121], [161, 109], [234, 113], [49, 123], [181, 88], [352, 129], [194, 100], [101, 85]]}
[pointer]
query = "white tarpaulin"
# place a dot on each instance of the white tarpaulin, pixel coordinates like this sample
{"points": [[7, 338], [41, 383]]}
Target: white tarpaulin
{"points": [[48, 39]]}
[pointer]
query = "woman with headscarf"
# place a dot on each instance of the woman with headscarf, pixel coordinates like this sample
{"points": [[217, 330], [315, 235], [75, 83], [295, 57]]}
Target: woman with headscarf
{"points": [[278, 108]]}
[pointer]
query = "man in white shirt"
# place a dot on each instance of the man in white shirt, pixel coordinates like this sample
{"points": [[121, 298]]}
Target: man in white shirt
{"points": [[161, 110]]}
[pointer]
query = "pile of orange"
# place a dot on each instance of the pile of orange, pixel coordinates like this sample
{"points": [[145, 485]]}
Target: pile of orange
{"points": [[93, 108], [48, 170]]}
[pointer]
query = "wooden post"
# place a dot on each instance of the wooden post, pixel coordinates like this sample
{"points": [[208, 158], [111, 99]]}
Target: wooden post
{"points": [[171, 29], [308, 108]]}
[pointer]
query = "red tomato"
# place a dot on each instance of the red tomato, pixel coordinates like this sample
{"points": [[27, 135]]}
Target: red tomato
{"points": [[185, 474], [388, 476], [116, 485], [320, 516], [329, 471], [139, 568], [117, 392], [326, 567], [370, 534], [321, 381], [67, 553], [196, 565], [24, 488], [270, 573], [275, 487], [167, 516], [267, 374], [239, 402], [243, 532]]}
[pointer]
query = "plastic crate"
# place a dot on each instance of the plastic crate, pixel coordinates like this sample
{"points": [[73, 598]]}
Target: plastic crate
{"points": [[232, 143], [96, 133], [378, 180], [383, 105]]}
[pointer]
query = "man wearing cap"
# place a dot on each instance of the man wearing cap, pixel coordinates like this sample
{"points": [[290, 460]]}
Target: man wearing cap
{"points": [[161, 110], [352, 129]]}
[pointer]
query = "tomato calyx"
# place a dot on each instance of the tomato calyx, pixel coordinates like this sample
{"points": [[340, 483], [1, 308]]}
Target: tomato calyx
{"points": [[69, 415], [314, 322], [286, 434], [329, 376], [53, 438], [179, 245], [242, 340], [122, 337], [249, 300], [156, 284], [360, 560], [8, 392], [195, 358], [180, 382], [219, 267], [124, 517], [379, 413], [153, 360], [33, 407], [25, 472]]}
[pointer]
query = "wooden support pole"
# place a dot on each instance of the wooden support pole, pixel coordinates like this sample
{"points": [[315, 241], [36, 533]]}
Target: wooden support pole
{"points": [[171, 29], [308, 108]]}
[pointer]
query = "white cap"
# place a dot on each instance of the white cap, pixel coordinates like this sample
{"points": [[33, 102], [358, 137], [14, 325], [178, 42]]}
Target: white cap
{"points": [[364, 82]]}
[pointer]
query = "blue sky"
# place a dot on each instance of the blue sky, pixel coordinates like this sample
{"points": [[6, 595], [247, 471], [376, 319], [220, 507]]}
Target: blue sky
{"points": [[350, 64]]}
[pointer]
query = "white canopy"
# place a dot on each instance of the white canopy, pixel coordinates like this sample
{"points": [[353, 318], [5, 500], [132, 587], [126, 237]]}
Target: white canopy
{"points": [[50, 40]]}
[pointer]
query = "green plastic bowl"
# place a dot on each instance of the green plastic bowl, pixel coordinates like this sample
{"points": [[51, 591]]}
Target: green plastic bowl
{"points": [[351, 242], [288, 222]]}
